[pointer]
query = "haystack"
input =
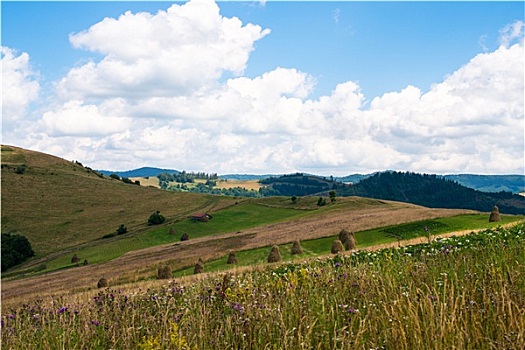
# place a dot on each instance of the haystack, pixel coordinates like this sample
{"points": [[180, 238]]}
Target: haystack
{"points": [[164, 272], [494, 215], [337, 247], [343, 235], [199, 267], [274, 255], [232, 259], [350, 243], [102, 283], [296, 248]]}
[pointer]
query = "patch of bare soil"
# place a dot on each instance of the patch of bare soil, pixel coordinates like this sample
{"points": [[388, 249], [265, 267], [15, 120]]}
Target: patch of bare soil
{"points": [[137, 265]]}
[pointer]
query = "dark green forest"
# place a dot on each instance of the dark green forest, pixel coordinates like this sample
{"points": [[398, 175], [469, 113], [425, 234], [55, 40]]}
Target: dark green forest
{"points": [[15, 250]]}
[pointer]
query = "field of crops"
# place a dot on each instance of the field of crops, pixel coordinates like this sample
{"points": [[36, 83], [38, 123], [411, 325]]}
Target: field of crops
{"points": [[462, 292]]}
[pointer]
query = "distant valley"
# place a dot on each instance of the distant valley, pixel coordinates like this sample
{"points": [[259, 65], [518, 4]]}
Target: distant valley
{"points": [[485, 183]]}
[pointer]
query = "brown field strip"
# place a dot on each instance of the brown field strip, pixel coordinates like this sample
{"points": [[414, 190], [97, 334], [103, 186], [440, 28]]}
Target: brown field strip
{"points": [[137, 265]]}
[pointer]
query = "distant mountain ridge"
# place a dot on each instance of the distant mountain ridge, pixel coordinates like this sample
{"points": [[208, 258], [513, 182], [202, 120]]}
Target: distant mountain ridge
{"points": [[140, 172], [485, 183], [431, 191], [490, 183]]}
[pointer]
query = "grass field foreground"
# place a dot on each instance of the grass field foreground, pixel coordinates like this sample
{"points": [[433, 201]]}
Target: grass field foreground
{"points": [[461, 292]]}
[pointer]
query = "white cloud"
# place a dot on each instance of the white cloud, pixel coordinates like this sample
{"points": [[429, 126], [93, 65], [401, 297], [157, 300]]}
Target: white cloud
{"points": [[156, 98], [511, 32], [172, 53], [20, 86], [75, 118]]}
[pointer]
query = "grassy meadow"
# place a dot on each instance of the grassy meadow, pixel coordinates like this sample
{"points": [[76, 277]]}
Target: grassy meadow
{"points": [[463, 292], [321, 246]]}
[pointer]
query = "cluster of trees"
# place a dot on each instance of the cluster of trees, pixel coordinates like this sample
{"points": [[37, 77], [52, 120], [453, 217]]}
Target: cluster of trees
{"points": [[299, 184], [124, 179], [15, 250], [184, 177]]}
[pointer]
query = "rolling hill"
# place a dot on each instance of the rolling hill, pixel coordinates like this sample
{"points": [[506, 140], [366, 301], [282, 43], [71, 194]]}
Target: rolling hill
{"points": [[59, 204], [64, 208], [427, 190]]}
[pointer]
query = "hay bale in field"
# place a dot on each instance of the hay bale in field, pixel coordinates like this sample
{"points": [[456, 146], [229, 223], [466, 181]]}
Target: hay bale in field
{"points": [[102, 283], [275, 255], [343, 234], [296, 248], [164, 272], [337, 247], [232, 259], [348, 240], [350, 243], [75, 259], [199, 267], [494, 215]]}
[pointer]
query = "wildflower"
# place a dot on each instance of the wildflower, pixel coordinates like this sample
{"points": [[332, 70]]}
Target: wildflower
{"points": [[62, 310], [11, 316]]}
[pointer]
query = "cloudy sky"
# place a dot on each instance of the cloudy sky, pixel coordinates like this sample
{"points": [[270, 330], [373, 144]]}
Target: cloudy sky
{"points": [[330, 88]]}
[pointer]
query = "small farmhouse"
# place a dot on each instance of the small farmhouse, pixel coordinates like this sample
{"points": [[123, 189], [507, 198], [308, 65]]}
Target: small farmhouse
{"points": [[201, 217]]}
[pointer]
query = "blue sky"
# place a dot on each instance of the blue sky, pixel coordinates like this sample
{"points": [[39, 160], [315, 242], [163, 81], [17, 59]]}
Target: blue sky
{"points": [[327, 63]]}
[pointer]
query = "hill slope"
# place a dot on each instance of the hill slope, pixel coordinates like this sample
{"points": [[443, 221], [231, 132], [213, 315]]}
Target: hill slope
{"points": [[434, 192], [427, 190], [58, 204]]}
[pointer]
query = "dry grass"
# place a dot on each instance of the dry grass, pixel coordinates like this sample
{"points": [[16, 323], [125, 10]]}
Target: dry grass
{"points": [[248, 184], [58, 204], [138, 265]]}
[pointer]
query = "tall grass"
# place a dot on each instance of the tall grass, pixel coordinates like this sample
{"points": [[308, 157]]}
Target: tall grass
{"points": [[464, 292]]}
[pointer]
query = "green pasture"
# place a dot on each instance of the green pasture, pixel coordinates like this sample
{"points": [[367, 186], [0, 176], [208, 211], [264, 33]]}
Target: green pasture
{"points": [[235, 218], [322, 246]]}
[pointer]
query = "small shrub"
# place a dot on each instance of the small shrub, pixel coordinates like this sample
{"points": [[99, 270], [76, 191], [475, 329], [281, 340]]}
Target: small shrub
{"points": [[494, 215], [296, 248], [114, 176], [156, 218], [337, 247], [102, 283], [232, 259], [86, 262], [321, 202], [122, 229], [164, 272], [275, 255], [75, 259], [184, 237], [172, 231], [127, 180], [20, 169]]}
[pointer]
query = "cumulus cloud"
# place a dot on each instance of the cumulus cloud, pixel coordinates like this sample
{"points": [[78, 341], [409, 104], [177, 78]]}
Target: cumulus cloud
{"points": [[172, 53], [20, 86], [157, 98], [75, 118]]}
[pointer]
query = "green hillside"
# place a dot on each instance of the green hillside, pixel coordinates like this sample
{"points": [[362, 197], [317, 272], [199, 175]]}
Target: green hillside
{"points": [[59, 204], [427, 190]]}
